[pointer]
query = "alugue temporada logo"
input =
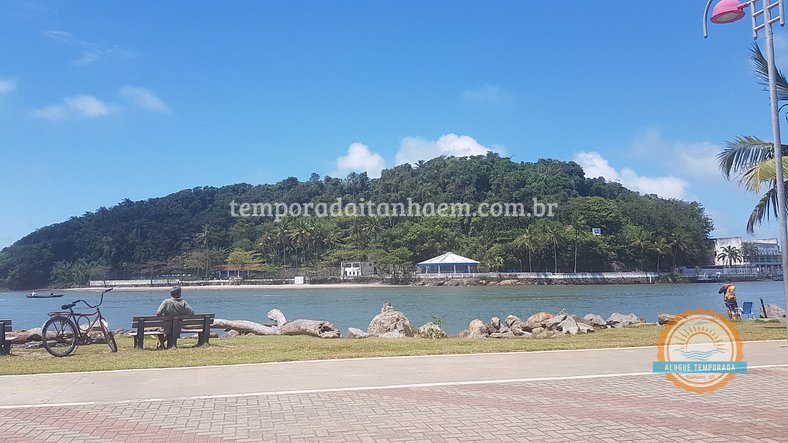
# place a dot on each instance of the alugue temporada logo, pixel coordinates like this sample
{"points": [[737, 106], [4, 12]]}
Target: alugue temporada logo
{"points": [[700, 351]]}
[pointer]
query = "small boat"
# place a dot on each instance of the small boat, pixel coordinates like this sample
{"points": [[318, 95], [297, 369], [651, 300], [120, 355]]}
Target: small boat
{"points": [[50, 295]]}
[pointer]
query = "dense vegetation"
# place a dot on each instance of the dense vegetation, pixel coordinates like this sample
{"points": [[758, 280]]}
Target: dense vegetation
{"points": [[193, 231]]}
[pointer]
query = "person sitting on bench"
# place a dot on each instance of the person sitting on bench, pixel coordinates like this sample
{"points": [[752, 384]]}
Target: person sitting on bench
{"points": [[174, 306]]}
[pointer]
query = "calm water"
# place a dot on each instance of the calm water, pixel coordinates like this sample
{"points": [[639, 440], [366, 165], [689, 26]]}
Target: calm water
{"points": [[356, 307]]}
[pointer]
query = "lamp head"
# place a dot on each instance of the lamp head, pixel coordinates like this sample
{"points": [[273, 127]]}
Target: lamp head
{"points": [[727, 11]]}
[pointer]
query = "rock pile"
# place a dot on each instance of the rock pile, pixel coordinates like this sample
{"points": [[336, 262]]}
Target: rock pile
{"points": [[546, 325]]}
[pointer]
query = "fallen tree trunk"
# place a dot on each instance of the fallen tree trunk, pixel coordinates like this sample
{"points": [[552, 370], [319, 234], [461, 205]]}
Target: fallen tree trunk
{"points": [[315, 328], [245, 327], [277, 316]]}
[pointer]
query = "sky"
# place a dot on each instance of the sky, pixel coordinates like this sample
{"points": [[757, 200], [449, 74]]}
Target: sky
{"points": [[103, 101]]}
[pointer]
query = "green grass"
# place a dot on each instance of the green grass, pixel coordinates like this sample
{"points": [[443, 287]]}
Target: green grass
{"points": [[254, 349]]}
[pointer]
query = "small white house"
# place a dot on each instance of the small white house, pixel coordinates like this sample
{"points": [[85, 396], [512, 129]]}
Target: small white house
{"points": [[355, 269]]}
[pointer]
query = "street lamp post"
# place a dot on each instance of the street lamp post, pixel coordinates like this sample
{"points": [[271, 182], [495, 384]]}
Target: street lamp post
{"points": [[728, 11]]}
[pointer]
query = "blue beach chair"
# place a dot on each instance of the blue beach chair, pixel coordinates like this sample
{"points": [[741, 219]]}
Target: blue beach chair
{"points": [[746, 310]]}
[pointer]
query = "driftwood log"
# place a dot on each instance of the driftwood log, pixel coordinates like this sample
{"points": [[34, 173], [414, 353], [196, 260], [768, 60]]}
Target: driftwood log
{"points": [[245, 327], [315, 328]]}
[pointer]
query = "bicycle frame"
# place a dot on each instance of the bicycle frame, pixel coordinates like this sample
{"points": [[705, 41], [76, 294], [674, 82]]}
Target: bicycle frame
{"points": [[77, 317]]}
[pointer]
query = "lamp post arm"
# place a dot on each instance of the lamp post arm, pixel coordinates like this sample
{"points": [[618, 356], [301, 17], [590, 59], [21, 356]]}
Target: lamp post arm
{"points": [[706, 19]]}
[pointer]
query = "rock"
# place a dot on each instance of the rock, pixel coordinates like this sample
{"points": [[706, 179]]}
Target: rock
{"points": [[578, 319], [391, 334], [356, 333], [431, 330], [537, 331], [664, 319], [232, 333], [390, 320], [585, 328], [495, 323], [475, 334], [33, 345], [512, 320], [509, 334], [509, 282], [464, 333], [595, 320], [620, 320], [569, 326], [477, 326], [553, 322], [545, 334], [774, 311], [538, 319]]}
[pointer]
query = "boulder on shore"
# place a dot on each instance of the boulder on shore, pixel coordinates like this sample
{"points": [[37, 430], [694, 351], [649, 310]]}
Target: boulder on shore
{"points": [[431, 330], [664, 319], [774, 311], [388, 321], [356, 333], [617, 320]]}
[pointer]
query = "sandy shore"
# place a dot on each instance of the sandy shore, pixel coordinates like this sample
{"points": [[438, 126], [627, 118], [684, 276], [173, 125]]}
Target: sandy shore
{"points": [[242, 287]]}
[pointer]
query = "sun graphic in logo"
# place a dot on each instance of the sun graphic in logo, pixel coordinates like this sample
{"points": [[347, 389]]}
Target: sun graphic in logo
{"points": [[700, 336]]}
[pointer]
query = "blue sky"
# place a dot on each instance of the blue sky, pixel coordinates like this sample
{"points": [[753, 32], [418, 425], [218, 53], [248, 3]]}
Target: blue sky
{"points": [[101, 101]]}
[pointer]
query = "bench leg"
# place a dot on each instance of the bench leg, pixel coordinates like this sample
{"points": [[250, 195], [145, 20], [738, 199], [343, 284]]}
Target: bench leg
{"points": [[5, 349]]}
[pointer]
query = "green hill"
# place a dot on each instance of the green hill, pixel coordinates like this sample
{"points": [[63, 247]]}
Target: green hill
{"points": [[193, 231]]}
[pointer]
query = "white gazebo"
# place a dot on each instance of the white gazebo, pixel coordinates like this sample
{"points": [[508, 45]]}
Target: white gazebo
{"points": [[448, 263]]}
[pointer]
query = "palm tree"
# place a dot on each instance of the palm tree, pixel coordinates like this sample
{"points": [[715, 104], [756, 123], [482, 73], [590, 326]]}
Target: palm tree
{"points": [[752, 159], [530, 241], [679, 245], [204, 237], [640, 239], [553, 235], [748, 252], [661, 247], [731, 254]]}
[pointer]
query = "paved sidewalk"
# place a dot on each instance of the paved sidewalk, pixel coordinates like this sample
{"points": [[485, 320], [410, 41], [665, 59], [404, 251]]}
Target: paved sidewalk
{"points": [[545, 396]]}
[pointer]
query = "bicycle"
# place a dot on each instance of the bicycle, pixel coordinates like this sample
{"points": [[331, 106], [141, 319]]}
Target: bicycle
{"points": [[64, 331]]}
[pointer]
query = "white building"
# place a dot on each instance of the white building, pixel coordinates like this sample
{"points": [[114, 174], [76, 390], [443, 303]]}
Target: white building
{"points": [[765, 259], [354, 269]]}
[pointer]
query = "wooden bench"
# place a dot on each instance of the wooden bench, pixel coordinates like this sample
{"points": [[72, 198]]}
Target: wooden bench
{"points": [[173, 327], [5, 340]]}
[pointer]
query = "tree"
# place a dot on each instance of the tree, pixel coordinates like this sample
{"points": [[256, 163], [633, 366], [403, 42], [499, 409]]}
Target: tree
{"points": [[730, 254], [660, 247], [748, 252], [751, 159], [531, 241]]}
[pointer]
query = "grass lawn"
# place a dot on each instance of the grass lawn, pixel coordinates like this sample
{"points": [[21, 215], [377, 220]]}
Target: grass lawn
{"points": [[259, 349]]}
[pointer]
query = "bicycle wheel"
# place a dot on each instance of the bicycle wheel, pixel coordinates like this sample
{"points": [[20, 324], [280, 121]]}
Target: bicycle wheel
{"points": [[109, 336], [59, 336]]}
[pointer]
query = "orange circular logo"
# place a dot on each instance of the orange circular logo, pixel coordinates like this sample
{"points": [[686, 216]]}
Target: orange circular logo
{"points": [[701, 342]]}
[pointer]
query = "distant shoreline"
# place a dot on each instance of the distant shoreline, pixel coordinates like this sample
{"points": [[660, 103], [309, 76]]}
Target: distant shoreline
{"points": [[187, 288]]}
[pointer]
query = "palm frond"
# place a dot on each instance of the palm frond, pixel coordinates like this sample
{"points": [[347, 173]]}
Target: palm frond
{"points": [[762, 173], [742, 153], [761, 67], [764, 210]]}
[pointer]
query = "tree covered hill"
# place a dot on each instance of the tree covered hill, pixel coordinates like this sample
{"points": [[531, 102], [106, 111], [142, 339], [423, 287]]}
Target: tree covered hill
{"points": [[193, 231]]}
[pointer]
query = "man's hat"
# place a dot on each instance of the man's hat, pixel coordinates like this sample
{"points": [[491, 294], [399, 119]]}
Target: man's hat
{"points": [[176, 292]]}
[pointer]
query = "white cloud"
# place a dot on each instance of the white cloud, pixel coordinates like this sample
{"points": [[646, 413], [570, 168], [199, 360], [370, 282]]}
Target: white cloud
{"points": [[79, 105], [359, 158], [413, 149], [487, 94], [90, 51], [595, 165], [695, 159], [144, 98], [7, 85]]}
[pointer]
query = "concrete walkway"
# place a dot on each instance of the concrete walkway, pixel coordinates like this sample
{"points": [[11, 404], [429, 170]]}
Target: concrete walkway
{"points": [[545, 396]]}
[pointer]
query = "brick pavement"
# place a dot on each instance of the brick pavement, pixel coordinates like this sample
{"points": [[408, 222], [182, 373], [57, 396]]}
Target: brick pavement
{"points": [[753, 407]]}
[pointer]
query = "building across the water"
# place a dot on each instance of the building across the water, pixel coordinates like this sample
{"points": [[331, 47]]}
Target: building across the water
{"points": [[448, 263], [354, 269], [757, 256]]}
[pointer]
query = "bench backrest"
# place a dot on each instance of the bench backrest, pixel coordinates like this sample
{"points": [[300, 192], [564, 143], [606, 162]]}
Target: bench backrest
{"points": [[152, 321], [186, 321], [6, 325], [195, 321]]}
